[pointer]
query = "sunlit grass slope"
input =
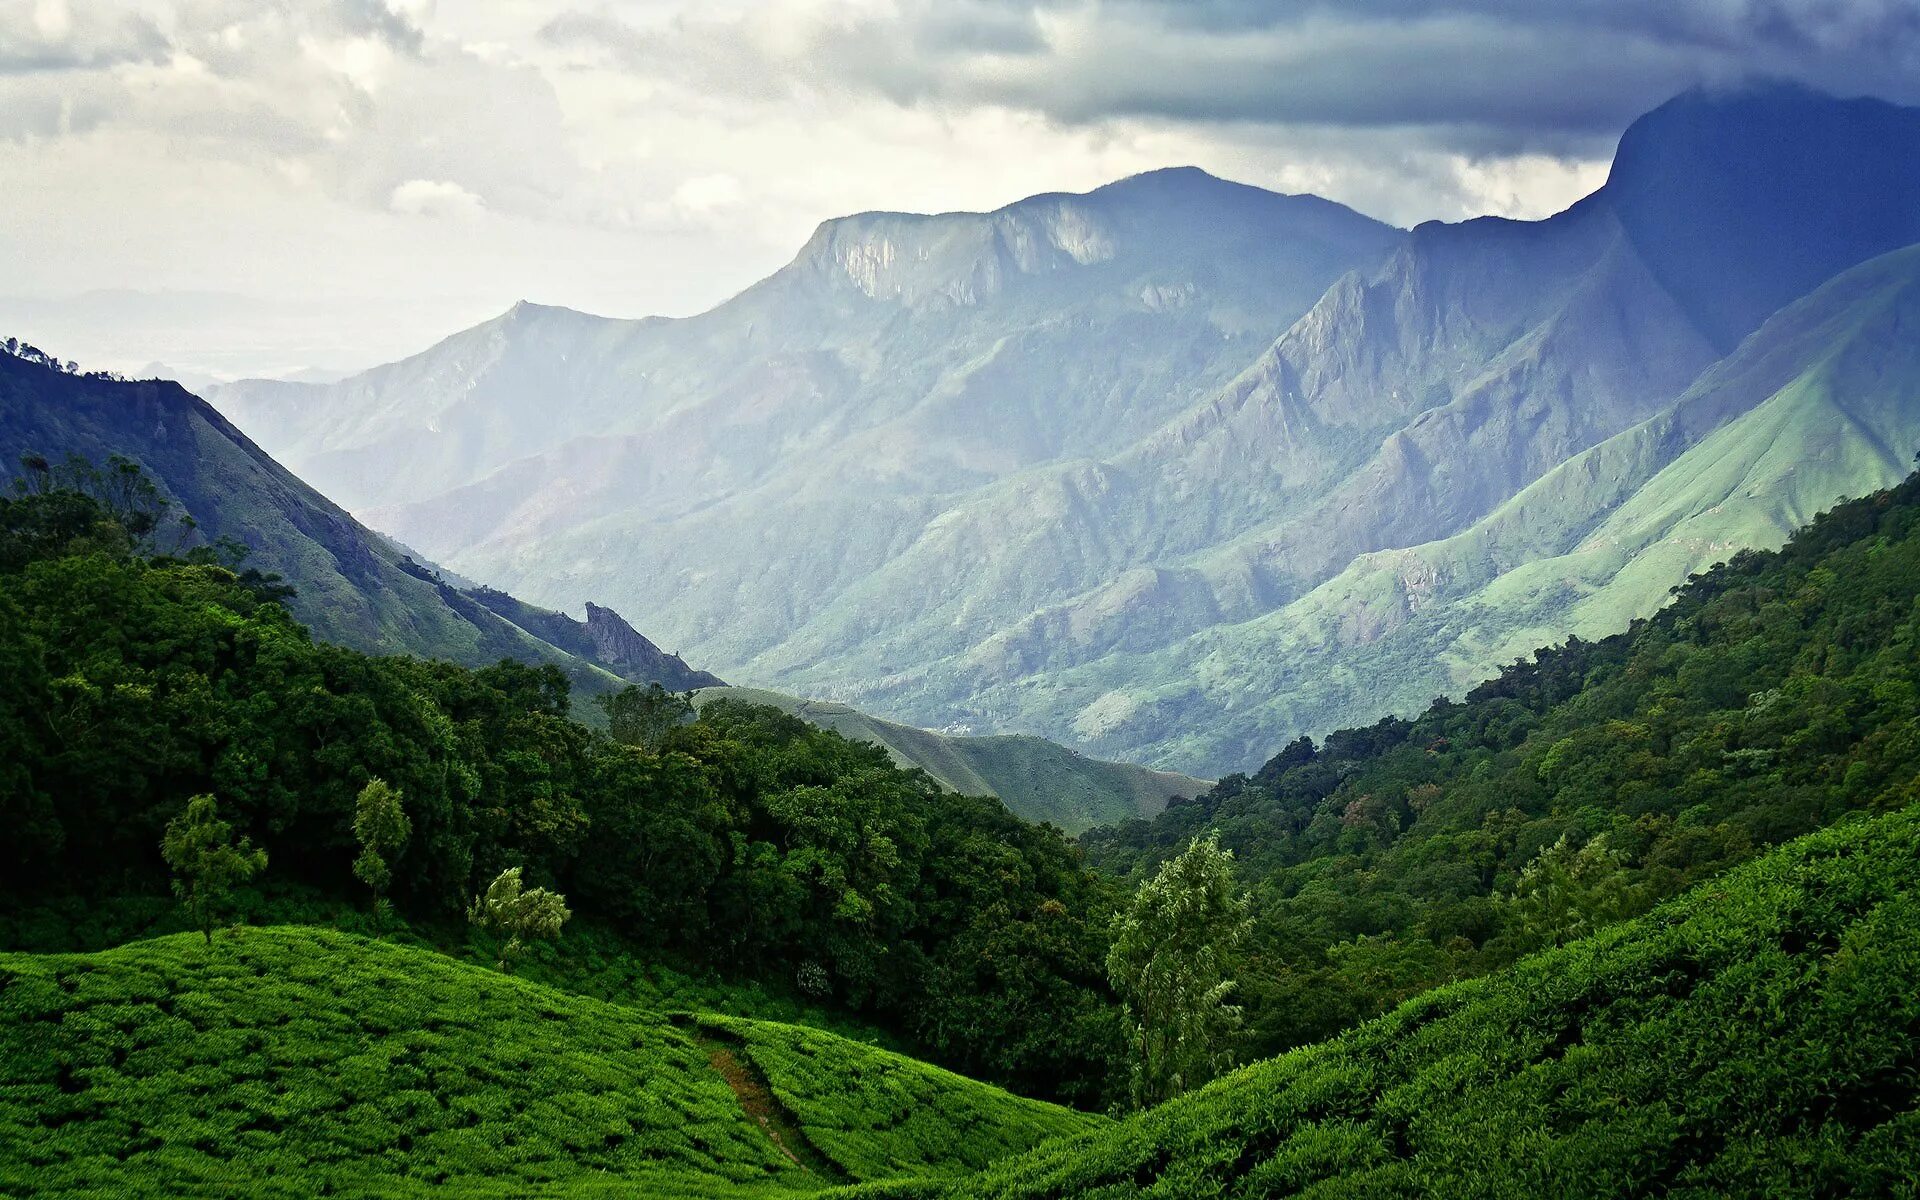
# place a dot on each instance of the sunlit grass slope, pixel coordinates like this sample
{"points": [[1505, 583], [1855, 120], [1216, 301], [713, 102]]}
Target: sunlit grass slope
{"points": [[292, 1061], [1759, 1036]]}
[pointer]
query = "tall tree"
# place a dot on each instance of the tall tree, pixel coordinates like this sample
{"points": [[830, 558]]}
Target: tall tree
{"points": [[643, 717], [207, 863], [1174, 953], [380, 823], [521, 913]]}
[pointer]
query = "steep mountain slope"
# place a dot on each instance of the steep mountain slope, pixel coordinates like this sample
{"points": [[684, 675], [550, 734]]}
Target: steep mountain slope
{"points": [[1821, 403], [1005, 470], [767, 455], [1756, 1037], [1036, 779], [354, 587], [292, 1061], [604, 638], [1406, 406]]}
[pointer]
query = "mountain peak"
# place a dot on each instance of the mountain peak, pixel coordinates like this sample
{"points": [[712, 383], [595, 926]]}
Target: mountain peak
{"points": [[1171, 215], [1189, 180], [1718, 178]]}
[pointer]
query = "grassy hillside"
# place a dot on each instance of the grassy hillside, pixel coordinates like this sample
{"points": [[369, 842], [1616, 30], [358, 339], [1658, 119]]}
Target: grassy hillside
{"points": [[291, 1061], [1037, 779], [1758, 1037]]}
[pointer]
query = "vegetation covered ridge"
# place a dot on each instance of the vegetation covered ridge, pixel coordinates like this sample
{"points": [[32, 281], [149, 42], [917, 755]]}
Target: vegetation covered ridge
{"points": [[1759, 1036], [293, 1061]]}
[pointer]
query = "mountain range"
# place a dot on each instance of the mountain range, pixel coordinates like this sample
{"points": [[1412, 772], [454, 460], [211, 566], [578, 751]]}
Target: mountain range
{"points": [[1179, 468]]}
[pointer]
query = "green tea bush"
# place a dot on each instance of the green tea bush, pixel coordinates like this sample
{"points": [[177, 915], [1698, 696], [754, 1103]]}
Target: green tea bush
{"points": [[296, 1062]]}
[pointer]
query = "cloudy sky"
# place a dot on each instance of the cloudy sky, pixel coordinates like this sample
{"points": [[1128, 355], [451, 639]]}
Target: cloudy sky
{"points": [[259, 186]]}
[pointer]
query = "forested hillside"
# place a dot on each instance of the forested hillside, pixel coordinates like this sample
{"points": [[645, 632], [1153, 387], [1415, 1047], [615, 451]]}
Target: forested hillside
{"points": [[351, 585], [1775, 694], [1037, 780]]}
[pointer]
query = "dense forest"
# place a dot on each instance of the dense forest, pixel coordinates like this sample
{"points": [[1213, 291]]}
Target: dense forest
{"points": [[1776, 694]]}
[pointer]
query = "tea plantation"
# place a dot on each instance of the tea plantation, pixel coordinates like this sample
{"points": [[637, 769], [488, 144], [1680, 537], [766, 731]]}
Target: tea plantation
{"points": [[293, 1061]]}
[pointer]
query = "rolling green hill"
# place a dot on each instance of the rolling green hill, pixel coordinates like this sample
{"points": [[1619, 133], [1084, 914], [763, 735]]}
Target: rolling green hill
{"points": [[1757, 1037], [1036, 779], [291, 1061]]}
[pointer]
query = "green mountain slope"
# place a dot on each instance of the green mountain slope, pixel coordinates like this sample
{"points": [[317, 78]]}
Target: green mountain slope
{"points": [[1758, 1037], [1036, 779], [1821, 403], [295, 1062], [355, 587]]}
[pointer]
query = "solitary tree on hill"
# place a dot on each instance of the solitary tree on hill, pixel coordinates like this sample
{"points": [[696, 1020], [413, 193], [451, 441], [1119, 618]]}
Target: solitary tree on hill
{"points": [[1172, 961], [520, 913], [207, 863], [381, 824]]}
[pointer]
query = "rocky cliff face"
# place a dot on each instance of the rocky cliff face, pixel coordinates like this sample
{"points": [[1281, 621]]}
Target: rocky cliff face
{"points": [[620, 646]]}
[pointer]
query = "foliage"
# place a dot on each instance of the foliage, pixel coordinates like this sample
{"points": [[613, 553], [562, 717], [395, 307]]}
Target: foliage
{"points": [[380, 824], [299, 1062], [1755, 1038], [1774, 695], [1174, 952], [207, 863], [521, 914], [643, 717], [897, 1121], [747, 843]]}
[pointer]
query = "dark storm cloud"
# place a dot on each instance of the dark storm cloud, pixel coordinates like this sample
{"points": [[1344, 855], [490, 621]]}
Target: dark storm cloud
{"points": [[1481, 76]]}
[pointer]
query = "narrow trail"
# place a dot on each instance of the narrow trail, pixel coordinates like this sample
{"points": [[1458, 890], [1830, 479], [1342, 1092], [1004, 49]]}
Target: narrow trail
{"points": [[758, 1101]]}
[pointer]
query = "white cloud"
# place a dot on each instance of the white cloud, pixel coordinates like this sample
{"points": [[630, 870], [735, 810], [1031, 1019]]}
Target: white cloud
{"points": [[436, 198]]}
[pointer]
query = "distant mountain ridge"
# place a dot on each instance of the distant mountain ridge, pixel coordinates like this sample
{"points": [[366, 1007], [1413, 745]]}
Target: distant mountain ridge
{"points": [[353, 586], [1036, 779], [1068, 467]]}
